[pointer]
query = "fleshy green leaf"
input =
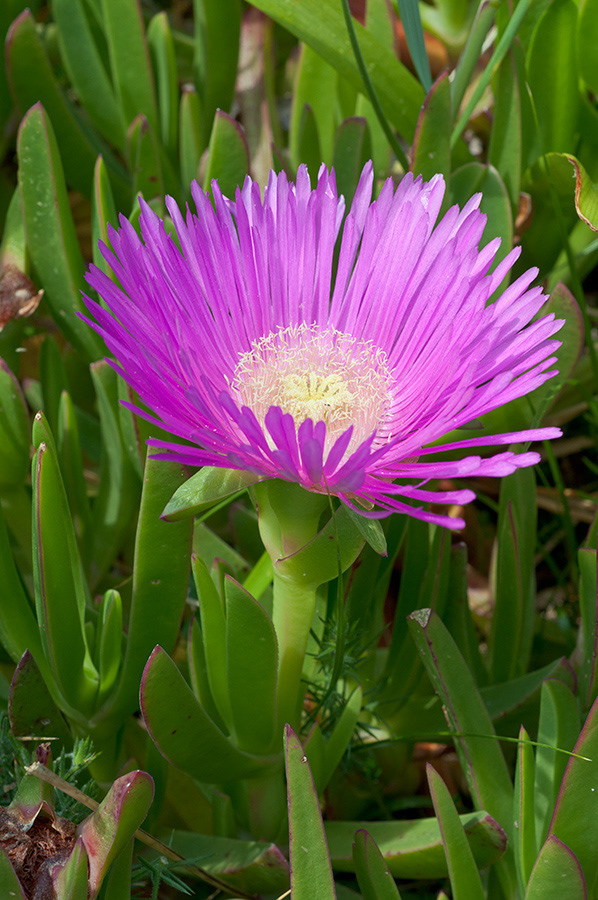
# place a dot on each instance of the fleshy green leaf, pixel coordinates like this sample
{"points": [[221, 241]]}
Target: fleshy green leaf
{"points": [[18, 627], [474, 178], [70, 880], [252, 866], [160, 579], [33, 82], [51, 237], [514, 577], [320, 24], [552, 73], [586, 194], [504, 151], [144, 159], [9, 883], [463, 872], [103, 212], [228, 155], [213, 631], [373, 876], [556, 867], [431, 144], [60, 590], [558, 729], [14, 431], [352, 149], [182, 730], [129, 60], [205, 489], [86, 70], [574, 821], [31, 707], [311, 873], [315, 87], [110, 828], [413, 848], [481, 757], [523, 809], [163, 56], [251, 669], [191, 140], [217, 30], [117, 498]]}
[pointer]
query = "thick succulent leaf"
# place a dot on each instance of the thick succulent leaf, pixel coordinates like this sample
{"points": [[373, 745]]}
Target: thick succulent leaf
{"points": [[83, 62], [68, 446], [564, 306], [474, 178], [586, 194], [316, 87], [556, 869], [103, 212], [163, 55], [553, 76], [254, 866], [183, 731], [588, 603], [574, 821], [117, 500], [33, 82], [109, 829], [413, 848], [311, 873], [228, 155], [336, 745], [205, 489], [191, 140], [373, 876], [217, 30], [130, 60], [14, 431], [463, 872], [558, 730], [251, 670], [525, 844], [18, 626], [352, 149], [481, 757], [213, 636], [10, 886], [504, 151], [431, 144], [50, 231], [320, 24], [587, 39], [70, 880], [160, 580], [31, 708], [60, 590], [514, 577], [143, 155]]}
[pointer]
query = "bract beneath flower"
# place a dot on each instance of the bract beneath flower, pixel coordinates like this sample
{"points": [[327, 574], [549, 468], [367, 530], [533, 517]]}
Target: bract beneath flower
{"points": [[246, 345]]}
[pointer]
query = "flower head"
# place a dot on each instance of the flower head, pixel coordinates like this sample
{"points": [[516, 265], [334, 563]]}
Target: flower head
{"points": [[279, 339]]}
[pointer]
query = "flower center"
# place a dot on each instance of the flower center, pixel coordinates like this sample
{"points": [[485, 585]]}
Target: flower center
{"points": [[323, 375]]}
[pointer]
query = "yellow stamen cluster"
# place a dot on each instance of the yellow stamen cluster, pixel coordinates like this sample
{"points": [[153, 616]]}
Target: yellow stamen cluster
{"points": [[323, 375]]}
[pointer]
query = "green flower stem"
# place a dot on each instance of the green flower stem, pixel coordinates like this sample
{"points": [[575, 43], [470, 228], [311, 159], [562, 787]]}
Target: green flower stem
{"points": [[292, 614], [289, 519]]}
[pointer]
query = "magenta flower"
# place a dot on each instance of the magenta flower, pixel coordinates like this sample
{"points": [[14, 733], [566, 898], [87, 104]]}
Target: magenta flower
{"points": [[246, 345]]}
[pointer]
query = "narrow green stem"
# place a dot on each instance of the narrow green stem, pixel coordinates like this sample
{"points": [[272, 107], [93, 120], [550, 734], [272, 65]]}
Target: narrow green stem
{"points": [[292, 614]]}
